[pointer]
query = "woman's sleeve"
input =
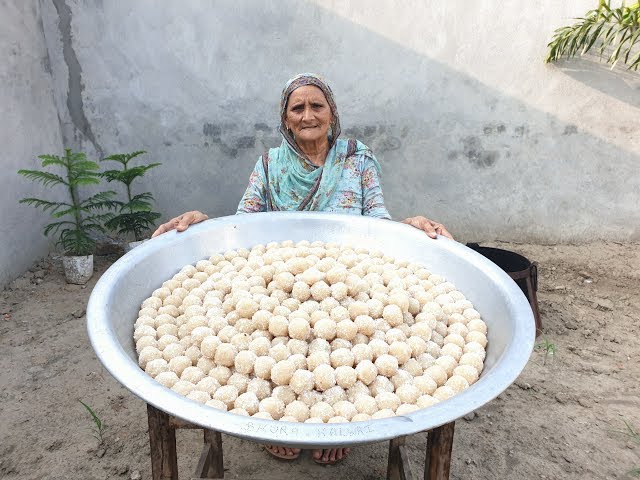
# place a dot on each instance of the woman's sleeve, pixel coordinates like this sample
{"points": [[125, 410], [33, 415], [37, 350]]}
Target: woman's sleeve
{"points": [[372, 198], [254, 198]]}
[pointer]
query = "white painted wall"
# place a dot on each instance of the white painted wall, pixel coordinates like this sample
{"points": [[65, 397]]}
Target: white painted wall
{"points": [[469, 124]]}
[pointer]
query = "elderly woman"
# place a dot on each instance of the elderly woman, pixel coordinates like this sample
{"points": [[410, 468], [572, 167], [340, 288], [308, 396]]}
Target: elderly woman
{"points": [[313, 170]]}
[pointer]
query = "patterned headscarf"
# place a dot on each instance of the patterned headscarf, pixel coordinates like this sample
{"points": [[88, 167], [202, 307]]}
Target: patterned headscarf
{"points": [[300, 81]]}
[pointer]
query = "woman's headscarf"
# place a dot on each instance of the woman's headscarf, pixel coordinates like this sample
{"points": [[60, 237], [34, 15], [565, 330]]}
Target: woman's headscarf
{"points": [[300, 81], [293, 182]]}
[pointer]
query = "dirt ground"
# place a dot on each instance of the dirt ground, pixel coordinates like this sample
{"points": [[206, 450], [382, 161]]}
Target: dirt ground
{"points": [[563, 417]]}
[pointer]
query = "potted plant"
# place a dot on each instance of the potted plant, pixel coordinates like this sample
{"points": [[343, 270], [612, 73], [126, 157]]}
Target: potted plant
{"points": [[77, 218], [614, 30], [133, 217]]}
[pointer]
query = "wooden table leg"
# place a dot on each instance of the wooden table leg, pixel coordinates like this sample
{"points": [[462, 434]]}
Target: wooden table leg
{"points": [[398, 467], [439, 445], [162, 440], [211, 465]]}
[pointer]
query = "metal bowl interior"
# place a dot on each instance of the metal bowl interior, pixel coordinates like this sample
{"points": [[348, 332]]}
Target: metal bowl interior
{"points": [[117, 296]]}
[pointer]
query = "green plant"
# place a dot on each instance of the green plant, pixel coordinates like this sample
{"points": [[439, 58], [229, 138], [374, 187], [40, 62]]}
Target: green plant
{"points": [[134, 216], [634, 435], [98, 428], [548, 348], [82, 216], [606, 28]]}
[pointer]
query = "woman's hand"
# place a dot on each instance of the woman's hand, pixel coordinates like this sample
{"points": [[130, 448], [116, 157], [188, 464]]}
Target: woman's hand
{"points": [[430, 227], [181, 223]]}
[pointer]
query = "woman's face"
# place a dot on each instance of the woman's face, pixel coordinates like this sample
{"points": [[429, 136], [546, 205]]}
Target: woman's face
{"points": [[308, 114]]}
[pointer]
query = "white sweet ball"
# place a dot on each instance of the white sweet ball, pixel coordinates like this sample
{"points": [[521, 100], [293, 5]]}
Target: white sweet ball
{"points": [[298, 347], [245, 361], [392, 314], [401, 351], [447, 362], [476, 337], [279, 352], [340, 343], [443, 393], [366, 372], [144, 331], [192, 374], [146, 341], [324, 377], [457, 383], [273, 406], [455, 339], [342, 357], [310, 397], [325, 329], [365, 404], [387, 365], [381, 384], [199, 396], [298, 410], [262, 367], [182, 387], [346, 329], [468, 372], [379, 348], [263, 415], [475, 347], [345, 376], [472, 359], [302, 381], [361, 417], [451, 350], [408, 393], [284, 281], [168, 379], [178, 364], [260, 346], [405, 409], [282, 372], [471, 314], [240, 381], [221, 374], [148, 354], [361, 352], [299, 328], [384, 413], [318, 358], [227, 394], [173, 350], [322, 410], [344, 409], [217, 404], [387, 400], [425, 384], [320, 291], [209, 345], [413, 367], [437, 373], [425, 401], [225, 355], [401, 377], [247, 402], [278, 325], [208, 384], [458, 329]]}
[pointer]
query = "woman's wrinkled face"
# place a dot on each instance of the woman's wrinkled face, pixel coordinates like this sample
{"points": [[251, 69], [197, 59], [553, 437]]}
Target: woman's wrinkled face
{"points": [[308, 114]]}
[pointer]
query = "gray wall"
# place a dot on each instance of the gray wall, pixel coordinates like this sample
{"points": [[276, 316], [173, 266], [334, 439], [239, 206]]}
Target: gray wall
{"points": [[470, 126], [30, 127]]}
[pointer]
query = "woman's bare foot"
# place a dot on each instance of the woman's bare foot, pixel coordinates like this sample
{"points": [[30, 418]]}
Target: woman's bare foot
{"points": [[330, 455], [285, 453]]}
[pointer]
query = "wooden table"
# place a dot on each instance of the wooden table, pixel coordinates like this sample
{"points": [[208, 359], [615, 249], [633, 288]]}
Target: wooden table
{"points": [[164, 459]]}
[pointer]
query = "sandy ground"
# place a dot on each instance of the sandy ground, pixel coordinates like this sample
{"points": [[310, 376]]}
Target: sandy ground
{"points": [[561, 419]]}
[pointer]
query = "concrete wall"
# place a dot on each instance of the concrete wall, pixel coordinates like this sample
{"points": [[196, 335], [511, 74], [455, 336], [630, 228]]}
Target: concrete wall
{"points": [[29, 127], [469, 124]]}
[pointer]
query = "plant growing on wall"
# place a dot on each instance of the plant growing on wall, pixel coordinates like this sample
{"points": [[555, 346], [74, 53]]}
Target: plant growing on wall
{"points": [[78, 217], [612, 30], [134, 216]]}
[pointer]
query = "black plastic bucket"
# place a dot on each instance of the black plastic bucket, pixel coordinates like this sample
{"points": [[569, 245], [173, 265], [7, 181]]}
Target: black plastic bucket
{"points": [[521, 269]]}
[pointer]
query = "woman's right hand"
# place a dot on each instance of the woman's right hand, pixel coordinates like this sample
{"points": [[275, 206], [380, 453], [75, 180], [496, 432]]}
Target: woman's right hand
{"points": [[181, 223]]}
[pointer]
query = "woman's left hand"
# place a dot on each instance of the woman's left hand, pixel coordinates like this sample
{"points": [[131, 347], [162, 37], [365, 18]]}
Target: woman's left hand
{"points": [[430, 227]]}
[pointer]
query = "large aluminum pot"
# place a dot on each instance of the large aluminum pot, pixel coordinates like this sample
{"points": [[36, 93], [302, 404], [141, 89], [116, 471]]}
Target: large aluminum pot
{"points": [[117, 296]]}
